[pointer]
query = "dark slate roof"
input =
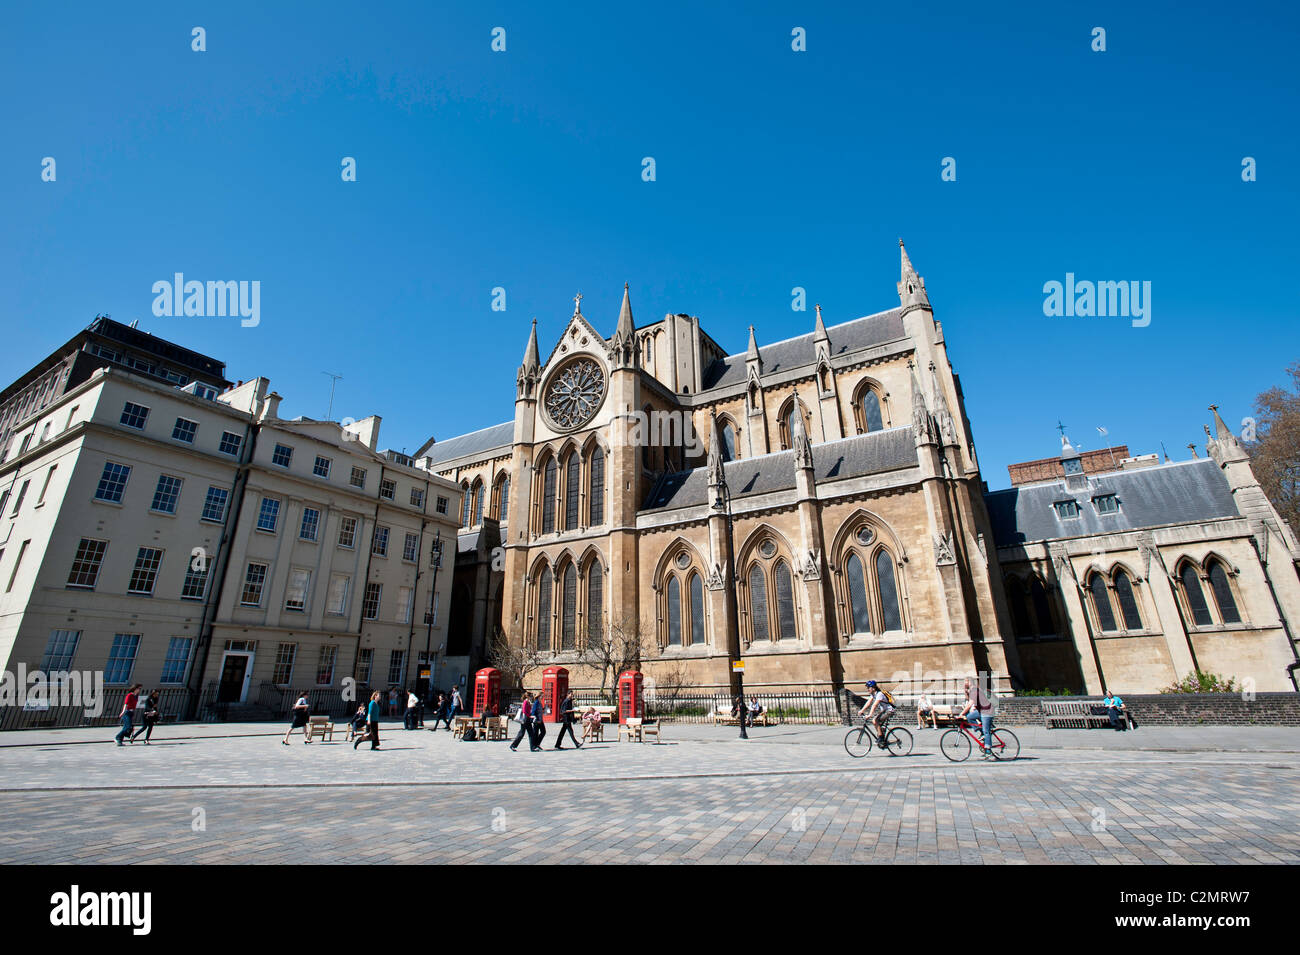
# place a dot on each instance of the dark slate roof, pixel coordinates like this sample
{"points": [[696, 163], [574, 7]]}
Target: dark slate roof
{"points": [[798, 352], [476, 442], [832, 461], [1181, 492]]}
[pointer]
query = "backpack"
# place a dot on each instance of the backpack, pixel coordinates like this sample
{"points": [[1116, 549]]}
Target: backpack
{"points": [[889, 697], [471, 734]]}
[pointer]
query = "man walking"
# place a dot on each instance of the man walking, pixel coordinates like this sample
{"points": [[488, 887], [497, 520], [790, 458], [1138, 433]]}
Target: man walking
{"points": [[566, 718], [453, 708], [128, 710]]}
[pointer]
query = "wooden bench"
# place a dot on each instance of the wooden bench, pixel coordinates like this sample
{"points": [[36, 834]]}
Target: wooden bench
{"points": [[322, 726], [725, 717], [1078, 714], [608, 714]]}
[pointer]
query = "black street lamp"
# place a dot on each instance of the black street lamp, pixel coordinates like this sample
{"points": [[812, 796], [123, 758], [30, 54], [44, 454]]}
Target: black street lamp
{"points": [[722, 503]]}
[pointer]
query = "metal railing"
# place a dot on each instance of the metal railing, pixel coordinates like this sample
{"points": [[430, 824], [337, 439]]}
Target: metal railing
{"points": [[172, 703]]}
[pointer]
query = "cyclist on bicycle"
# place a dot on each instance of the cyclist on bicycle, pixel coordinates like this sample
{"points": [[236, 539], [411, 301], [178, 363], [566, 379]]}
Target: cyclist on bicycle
{"points": [[878, 709], [982, 719]]}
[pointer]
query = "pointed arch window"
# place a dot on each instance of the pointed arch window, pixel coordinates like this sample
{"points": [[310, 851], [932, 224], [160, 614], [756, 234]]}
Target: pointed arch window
{"points": [[674, 612], [503, 500], [890, 614], [1222, 591], [1101, 602], [572, 484], [728, 442], [548, 495], [858, 594], [1016, 600], [544, 588], [1042, 608], [1190, 582], [569, 608], [464, 505], [697, 609], [1128, 607], [872, 420], [595, 602], [478, 502], [784, 601], [596, 505], [758, 604]]}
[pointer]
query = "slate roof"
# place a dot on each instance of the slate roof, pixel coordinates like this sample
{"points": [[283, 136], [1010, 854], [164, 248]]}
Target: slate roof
{"points": [[1181, 492], [833, 461], [476, 442], [797, 352]]}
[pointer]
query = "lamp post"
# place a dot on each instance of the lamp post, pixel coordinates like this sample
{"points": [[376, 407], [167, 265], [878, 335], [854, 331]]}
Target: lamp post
{"points": [[722, 504], [433, 607]]}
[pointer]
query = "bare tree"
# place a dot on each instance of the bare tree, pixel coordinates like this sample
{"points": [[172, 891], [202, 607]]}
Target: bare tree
{"points": [[1275, 454], [672, 678], [620, 646], [516, 661]]}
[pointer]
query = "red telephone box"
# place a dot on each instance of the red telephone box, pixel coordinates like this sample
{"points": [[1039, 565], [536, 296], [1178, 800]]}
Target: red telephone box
{"points": [[630, 703], [487, 691], [555, 686]]}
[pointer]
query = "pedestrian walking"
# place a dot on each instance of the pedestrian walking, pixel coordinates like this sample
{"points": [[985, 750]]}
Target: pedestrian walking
{"points": [[453, 708], [438, 707], [412, 710], [128, 711], [567, 715], [539, 721], [392, 701], [525, 723], [149, 718], [373, 712], [301, 711]]}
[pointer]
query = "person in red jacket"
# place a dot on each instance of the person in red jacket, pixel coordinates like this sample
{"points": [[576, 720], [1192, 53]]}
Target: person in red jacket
{"points": [[128, 710], [526, 724]]}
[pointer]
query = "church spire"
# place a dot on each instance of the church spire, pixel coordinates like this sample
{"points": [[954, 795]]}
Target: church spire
{"points": [[531, 369], [751, 353], [1224, 448], [942, 413], [625, 325], [911, 287], [531, 360], [623, 350], [819, 334]]}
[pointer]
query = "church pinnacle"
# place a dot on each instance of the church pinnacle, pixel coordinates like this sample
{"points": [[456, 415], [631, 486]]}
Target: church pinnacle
{"points": [[531, 370], [911, 287], [623, 350]]}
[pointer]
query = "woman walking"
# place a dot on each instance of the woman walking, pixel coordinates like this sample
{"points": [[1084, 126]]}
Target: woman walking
{"points": [[301, 711], [128, 711], [150, 717], [372, 722]]}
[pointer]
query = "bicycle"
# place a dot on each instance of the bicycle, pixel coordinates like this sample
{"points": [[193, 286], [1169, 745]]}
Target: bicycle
{"points": [[955, 744], [861, 740]]}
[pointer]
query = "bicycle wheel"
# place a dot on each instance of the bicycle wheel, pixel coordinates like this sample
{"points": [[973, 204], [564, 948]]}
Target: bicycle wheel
{"points": [[955, 745], [858, 742], [898, 741], [1005, 744]]}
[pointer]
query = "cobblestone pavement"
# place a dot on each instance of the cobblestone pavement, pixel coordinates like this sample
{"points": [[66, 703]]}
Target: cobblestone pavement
{"points": [[792, 794]]}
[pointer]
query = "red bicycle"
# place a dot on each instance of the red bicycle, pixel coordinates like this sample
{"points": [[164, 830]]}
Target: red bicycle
{"points": [[956, 743]]}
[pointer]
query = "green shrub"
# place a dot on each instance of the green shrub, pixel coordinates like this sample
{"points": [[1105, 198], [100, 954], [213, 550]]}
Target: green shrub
{"points": [[1063, 691], [1201, 682]]}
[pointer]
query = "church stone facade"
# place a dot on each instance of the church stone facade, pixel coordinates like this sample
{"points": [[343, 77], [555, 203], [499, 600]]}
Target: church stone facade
{"points": [[815, 507], [854, 536]]}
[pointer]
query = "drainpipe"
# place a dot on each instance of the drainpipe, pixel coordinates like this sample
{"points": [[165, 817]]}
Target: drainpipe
{"points": [[370, 558], [217, 586]]}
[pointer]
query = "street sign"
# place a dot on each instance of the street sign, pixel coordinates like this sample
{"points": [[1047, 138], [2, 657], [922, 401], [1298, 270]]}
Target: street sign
{"points": [[738, 666]]}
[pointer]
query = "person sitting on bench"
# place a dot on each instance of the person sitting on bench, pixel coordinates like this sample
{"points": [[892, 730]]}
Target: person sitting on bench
{"points": [[1116, 710], [925, 711]]}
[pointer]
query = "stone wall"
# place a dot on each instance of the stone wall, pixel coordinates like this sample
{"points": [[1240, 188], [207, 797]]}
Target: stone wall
{"points": [[1161, 709]]}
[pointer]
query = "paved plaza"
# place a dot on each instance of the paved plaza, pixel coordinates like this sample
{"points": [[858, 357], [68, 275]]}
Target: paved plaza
{"points": [[214, 794]]}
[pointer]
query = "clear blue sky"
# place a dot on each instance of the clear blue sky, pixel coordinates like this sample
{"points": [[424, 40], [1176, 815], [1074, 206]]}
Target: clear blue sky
{"points": [[775, 169]]}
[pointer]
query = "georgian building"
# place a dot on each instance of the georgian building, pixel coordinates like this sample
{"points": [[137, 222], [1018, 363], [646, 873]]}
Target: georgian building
{"points": [[814, 506], [197, 542]]}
